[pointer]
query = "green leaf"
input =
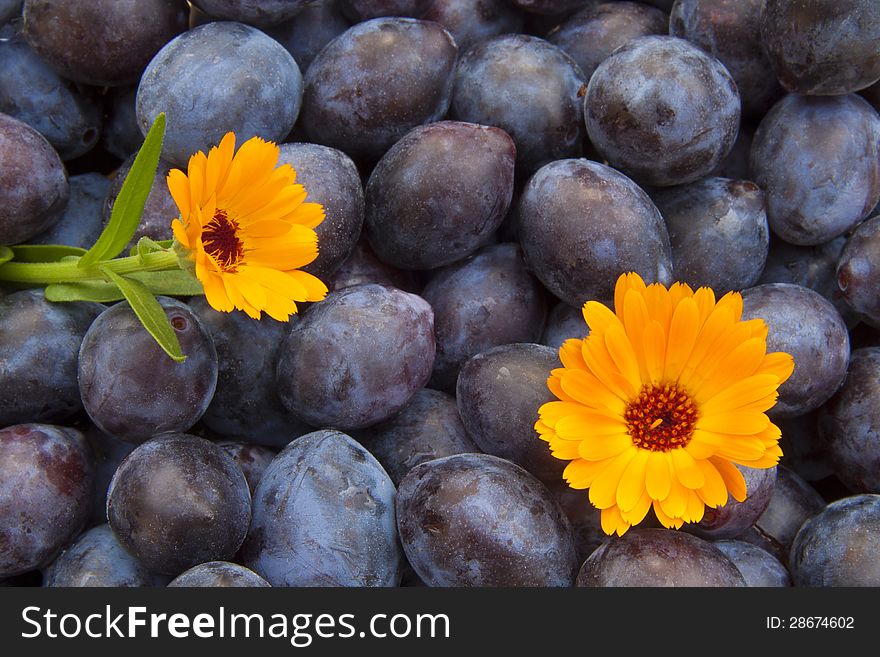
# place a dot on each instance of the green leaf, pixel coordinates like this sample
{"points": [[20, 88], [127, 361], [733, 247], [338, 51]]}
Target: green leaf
{"points": [[99, 291], [146, 245], [126, 213], [172, 283], [149, 312], [45, 252], [5, 254]]}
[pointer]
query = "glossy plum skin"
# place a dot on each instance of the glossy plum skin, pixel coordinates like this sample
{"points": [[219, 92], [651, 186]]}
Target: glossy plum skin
{"points": [[814, 267], [69, 117], [718, 231], [64, 34], [794, 501], [470, 21], [323, 515], [177, 501], [331, 179], [362, 266], [34, 189], [45, 493], [252, 459], [658, 557], [757, 566], [816, 160], [805, 325], [593, 32], [563, 322], [357, 357], [80, 224], [849, 423], [119, 361], [312, 28], [476, 520], [262, 14], [107, 454], [858, 271], [428, 427], [218, 574], [662, 111], [375, 82], [39, 347], [838, 547], [730, 30], [582, 224], [362, 10], [487, 300], [121, 135], [816, 48], [439, 193], [97, 559], [245, 405], [527, 87], [216, 78], [498, 393]]}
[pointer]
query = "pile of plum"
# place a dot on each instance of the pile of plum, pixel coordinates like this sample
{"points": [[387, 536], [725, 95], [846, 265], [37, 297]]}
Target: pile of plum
{"points": [[486, 167]]}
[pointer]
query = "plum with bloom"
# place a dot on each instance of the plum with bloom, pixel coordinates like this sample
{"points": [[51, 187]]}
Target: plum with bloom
{"points": [[661, 400], [245, 225]]}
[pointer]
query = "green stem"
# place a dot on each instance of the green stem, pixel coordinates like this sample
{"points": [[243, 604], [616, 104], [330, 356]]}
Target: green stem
{"points": [[46, 273]]}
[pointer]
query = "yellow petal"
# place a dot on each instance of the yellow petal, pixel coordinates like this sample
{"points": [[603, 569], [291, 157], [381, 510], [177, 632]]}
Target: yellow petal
{"points": [[739, 363], [570, 354], [659, 305], [779, 364], [580, 473], [655, 351], [658, 475], [734, 422], [584, 425], [603, 490], [315, 288], [598, 316], [733, 301], [215, 293], [603, 368], [683, 331], [695, 507], [713, 492], [179, 233], [554, 384], [731, 446], [635, 320], [566, 450], [599, 448], [628, 282], [612, 522], [622, 353], [733, 478], [632, 482], [675, 503], [635, 515], [741, 393], [588, 390], [178, 186], [686, 469], [665, 520]]}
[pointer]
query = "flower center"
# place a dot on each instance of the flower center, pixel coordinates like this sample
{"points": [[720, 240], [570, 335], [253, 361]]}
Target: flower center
{"points": [[661, 418], [221, 241]]}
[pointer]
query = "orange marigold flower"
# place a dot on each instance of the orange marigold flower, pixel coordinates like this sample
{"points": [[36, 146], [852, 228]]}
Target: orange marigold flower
{"points": [[659, 402], [245, 225]]}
